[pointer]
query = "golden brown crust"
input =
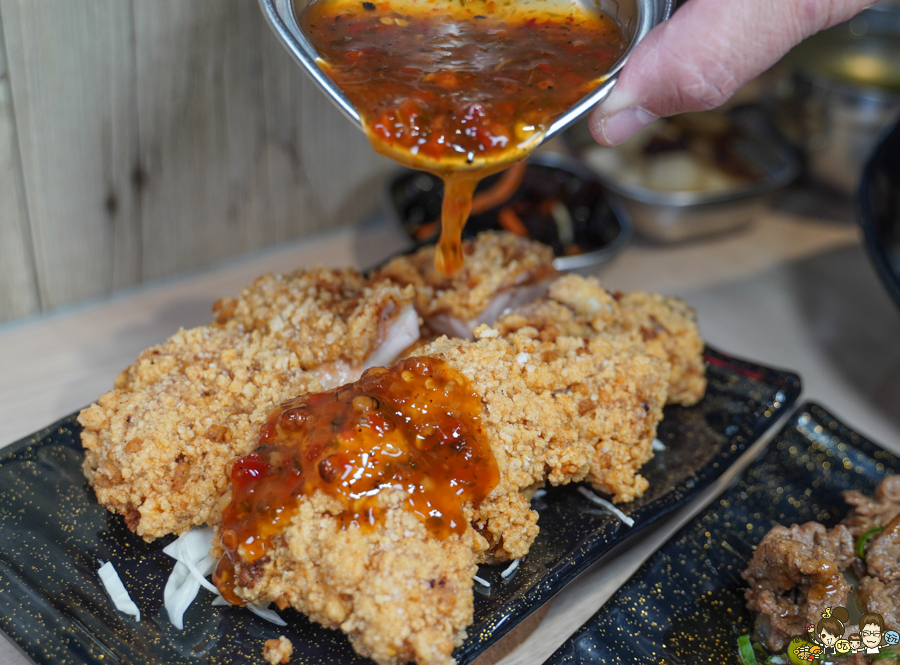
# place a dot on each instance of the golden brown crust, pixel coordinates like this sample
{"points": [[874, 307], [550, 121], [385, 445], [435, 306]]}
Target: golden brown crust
{"points": [[320, 315], [494, 262], [397, 592], [665, 326], [278, 652], [668, 328], [159, 446], [559, 410]]}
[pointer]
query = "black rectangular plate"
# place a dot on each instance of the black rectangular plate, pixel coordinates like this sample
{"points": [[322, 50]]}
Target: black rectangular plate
{"points": [[686, 603], [53, 535]]}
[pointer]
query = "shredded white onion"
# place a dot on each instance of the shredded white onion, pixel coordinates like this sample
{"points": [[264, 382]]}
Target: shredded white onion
{"points": [[482, 582], [193, 564], [512, 568], [606, 504], [262, 610], [116, 590], [181, 589], [658, 445], [538, 494], [190, 549], [259, 609]]}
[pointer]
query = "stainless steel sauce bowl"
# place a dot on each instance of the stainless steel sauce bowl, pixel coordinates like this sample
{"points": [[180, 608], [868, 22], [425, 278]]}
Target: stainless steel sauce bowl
{"points": [[636, 17]]}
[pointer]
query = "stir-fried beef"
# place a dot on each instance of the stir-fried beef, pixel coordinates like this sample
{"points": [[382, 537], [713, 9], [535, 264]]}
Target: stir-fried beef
{"points": [[794, 575]]}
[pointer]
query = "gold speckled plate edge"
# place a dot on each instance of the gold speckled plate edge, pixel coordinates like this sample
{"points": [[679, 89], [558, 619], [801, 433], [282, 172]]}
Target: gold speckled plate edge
{"points": [[685, 604]]}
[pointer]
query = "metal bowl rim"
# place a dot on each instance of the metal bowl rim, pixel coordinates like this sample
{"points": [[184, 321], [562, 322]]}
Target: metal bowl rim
{"points": [[651, 13], [594, 257], [783, 175]]}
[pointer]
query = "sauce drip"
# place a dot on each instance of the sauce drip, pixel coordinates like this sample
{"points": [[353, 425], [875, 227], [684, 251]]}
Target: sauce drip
{"points": [[460, 89], [414, 427]]}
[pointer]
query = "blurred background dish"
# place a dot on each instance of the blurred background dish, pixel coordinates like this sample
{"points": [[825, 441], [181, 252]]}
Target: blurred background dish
{"points": [[837, 91], [552, 198], [879, 210], [692, 175]]}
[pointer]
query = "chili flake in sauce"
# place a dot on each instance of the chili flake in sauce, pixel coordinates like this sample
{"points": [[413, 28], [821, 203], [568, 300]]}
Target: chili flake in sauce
{"points": [[460, 89], [414, 427]]}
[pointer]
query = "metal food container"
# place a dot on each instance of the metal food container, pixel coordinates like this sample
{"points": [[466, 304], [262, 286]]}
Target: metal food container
{"points": [[839, 90], [636, 18], [673, 216], [600, 224]]}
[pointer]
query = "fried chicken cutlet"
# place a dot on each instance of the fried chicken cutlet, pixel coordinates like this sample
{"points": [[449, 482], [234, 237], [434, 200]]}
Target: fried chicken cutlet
{"points": [[160, 445], [570, 387], [665, 326], [399, 591], [501, 271]]}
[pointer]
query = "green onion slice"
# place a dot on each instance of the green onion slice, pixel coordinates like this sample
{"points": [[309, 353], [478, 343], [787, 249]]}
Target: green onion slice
{"points": [[863, 539], [887, 657], [745, 650]]}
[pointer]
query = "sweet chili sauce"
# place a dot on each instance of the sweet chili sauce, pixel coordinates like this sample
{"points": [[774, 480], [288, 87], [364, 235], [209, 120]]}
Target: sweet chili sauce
{"points": [[415, 427], [462, 89]]}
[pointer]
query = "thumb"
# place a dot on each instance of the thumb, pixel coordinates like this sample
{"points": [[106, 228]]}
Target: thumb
{"points": [[701, 56]]}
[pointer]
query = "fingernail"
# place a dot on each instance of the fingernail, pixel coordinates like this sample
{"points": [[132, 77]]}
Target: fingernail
{"points": [[621, 126]]}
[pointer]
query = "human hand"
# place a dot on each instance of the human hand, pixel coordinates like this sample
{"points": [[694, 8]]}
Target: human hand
{"points": [[700, 57]]}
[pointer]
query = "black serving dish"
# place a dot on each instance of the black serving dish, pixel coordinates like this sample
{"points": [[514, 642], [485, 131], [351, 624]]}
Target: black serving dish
{"points": [[879, 210], [686, 603], [600, 225], [53, 536]]}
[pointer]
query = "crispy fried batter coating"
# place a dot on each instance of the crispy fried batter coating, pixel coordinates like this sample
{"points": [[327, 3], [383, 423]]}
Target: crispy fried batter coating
{"points": [[668, 328], [159, 446], [278, 651], [572, 385], [665, 326], [561, 410], [319, 315], [495, 263], [399, 593]]}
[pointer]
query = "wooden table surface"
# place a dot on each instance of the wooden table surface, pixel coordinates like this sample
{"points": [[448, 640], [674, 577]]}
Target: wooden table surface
{"points": [[794, 289]]}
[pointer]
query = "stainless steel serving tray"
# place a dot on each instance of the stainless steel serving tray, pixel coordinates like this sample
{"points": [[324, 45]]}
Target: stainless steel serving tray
{"points": [[672, 216]]}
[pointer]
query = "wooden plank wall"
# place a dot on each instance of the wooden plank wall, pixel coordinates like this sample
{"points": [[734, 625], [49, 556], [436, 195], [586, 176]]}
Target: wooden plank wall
{"points": [[18, 285], [143, 138]]}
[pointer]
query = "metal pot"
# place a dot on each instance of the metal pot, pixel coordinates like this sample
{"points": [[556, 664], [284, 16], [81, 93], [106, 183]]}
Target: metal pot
{"points": [[842, 90]]}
